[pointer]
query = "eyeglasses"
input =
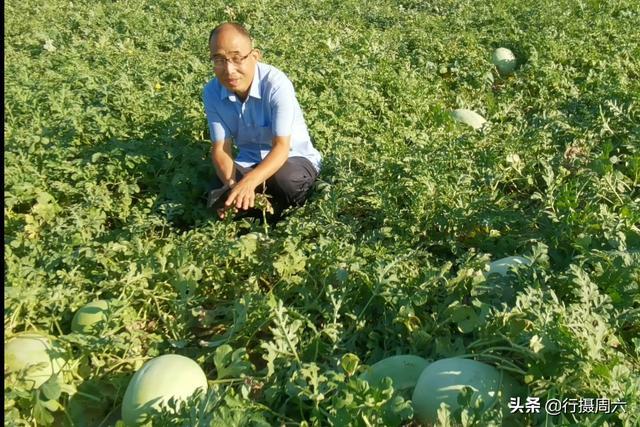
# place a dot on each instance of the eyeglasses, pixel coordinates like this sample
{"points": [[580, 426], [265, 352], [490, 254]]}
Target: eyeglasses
{"points": [[220, 61]]}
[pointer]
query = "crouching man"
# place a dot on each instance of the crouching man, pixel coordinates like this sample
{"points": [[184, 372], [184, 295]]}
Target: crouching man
{"points": [[254, 106]]}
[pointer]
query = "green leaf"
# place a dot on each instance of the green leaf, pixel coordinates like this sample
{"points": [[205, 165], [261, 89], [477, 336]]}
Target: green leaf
{"points": [[465, 318], [350, 362], [230, 363], [42, 414], [51, 389], [52, 405]]}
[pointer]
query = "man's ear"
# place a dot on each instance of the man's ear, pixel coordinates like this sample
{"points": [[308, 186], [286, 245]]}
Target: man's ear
{"points": [[257, 54]]}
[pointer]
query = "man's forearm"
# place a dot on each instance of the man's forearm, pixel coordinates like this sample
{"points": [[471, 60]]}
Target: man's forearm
{"points": [[243, 193], [270, 164], [223, 163]]}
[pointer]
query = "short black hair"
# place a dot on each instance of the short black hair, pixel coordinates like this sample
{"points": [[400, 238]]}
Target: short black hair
{"points": [[238, 27]]}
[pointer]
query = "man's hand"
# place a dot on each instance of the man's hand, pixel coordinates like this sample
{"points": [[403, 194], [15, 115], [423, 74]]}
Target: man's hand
{"points": [[222, 211], [242, 195]]}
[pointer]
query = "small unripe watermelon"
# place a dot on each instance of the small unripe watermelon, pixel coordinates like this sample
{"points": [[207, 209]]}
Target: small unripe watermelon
{"points": [[503, 265], [158, 381], [442, 381], [505, 60], [36, 354], [469, 117], [88, 316], [403, 370]]}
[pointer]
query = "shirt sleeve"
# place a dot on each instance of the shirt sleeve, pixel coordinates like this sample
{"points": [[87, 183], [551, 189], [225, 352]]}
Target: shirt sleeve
{"points": [[283, 104], [218, 131]]}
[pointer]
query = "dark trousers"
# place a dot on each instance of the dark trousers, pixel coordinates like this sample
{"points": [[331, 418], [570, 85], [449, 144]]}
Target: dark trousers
{"points": [[289, 186]]}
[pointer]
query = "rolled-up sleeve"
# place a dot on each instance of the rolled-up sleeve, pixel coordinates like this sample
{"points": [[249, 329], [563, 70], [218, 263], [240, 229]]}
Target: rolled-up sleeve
{"points": [[283, 110], [217, 129]]}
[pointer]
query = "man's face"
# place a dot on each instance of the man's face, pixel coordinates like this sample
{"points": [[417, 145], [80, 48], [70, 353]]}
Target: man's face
{"points": [[234, 61]]}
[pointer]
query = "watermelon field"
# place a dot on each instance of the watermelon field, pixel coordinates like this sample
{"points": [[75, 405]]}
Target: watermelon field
{"points": [[377, 303]]}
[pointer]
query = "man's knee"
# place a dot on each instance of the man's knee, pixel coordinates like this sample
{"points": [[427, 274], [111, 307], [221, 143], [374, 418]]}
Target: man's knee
{"points": [[293, 181], [286, 183]]}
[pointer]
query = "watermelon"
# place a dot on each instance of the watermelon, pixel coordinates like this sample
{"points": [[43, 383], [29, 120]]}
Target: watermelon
{"points": [[469, 117], [35, 354], [163, 378], [504, 60], [89, 316], [503, 265], [403, 370], [443, 380]]}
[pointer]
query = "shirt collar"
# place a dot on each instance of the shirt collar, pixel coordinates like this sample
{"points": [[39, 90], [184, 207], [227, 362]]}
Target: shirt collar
{"points": [[254, 90]]}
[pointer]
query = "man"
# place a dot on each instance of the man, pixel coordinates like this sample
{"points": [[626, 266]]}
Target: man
{"points": [[254, 105]]}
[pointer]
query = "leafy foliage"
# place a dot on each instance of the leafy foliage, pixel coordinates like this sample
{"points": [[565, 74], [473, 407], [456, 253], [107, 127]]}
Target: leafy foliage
{"points": [[107, 169]]}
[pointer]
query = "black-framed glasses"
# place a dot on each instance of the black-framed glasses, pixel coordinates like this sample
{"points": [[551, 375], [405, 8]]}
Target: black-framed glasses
{"points": [[220, 61]]}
